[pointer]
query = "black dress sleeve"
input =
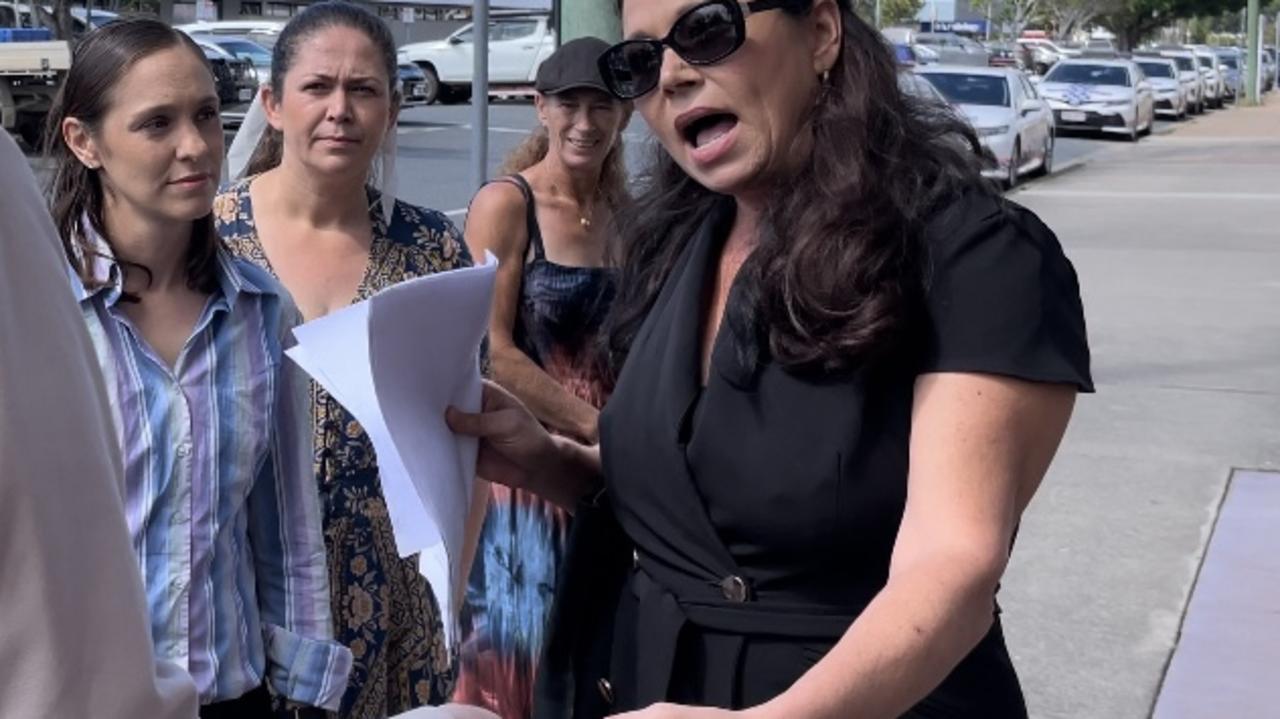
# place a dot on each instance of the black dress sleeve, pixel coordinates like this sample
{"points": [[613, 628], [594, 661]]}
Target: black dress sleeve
{"points": [[1001, 297]]}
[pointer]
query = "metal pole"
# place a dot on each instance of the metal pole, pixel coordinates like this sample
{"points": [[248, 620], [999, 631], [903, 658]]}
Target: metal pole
{"points": [[480, 94], [878, 14], [1251, 80]]}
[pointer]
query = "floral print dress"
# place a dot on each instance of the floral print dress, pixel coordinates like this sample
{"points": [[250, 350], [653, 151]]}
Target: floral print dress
{"points": [[384, 611]]}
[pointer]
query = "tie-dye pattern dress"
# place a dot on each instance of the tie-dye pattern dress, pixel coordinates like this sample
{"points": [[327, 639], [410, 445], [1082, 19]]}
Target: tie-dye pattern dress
{"points": [[513, 578]]}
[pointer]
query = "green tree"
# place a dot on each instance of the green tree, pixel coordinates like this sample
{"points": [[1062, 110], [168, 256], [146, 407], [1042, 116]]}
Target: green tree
{"points": [[892, 12], [1133, 21]]}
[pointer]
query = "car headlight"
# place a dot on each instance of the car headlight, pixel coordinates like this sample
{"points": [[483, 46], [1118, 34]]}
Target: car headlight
{"points": [[991, 131]]}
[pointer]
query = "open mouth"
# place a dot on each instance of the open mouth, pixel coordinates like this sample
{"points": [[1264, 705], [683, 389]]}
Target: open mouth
{"points": [[707, 129], [583, 144]]}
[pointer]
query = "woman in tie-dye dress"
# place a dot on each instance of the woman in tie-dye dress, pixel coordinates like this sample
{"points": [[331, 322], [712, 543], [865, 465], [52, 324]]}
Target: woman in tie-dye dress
{"points": [[545, 220]]}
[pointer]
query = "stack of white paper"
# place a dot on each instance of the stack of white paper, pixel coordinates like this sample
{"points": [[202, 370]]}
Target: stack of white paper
{"points": [[396, 361]]}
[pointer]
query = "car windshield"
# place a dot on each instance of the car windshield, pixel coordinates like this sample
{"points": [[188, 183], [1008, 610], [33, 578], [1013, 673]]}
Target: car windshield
{"points": [[971, 89], [1205, 61], [243, 48], [1185, 64], [1229, 61], [1089, 75], [1156, 69]]}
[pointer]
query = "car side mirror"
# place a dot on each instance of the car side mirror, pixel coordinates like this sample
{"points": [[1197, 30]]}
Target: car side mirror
{"points": [[1144, 85], [455, 40], [1031, 106]]}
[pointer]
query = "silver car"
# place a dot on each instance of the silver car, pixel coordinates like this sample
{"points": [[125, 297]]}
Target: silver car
{"points": [[1189, 73], [1011, 119], [953, 49], [1172, 95], [1111, 96], [1215, 92]]}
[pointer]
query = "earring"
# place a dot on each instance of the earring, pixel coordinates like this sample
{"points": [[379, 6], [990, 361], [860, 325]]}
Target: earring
{"points": [[826, 77]]}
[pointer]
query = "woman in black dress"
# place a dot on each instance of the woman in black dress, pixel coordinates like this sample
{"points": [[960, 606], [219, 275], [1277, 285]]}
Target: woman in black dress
{"points": [[848, 365]]}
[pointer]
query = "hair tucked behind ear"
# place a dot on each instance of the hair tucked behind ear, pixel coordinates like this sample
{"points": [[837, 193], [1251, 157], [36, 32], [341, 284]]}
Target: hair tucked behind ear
{"points": [[837, 277], [101, 59], [314, 18]]}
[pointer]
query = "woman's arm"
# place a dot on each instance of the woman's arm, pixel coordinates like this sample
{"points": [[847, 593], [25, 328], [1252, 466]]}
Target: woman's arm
{"points": [[980, 446], [304, 664], [496, 223]]}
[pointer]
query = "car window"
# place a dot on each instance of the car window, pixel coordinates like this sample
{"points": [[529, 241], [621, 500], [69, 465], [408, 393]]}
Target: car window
{"points": [[1156, 69], [466, 35], [1205, 61], [517, 30], [971, 89], [1185, 64], [1229, 61], [260, 55], [1088, 75]]}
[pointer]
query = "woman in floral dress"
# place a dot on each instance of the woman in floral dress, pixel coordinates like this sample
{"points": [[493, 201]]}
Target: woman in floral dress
{"points": [[305, 214]]}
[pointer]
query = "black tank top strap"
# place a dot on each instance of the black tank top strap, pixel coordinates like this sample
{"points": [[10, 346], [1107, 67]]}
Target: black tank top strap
{"points": [[531, 213]]}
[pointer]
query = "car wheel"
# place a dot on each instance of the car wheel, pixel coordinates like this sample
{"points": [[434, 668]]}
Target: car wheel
{"points": [[431, 86], [1015, 160]]}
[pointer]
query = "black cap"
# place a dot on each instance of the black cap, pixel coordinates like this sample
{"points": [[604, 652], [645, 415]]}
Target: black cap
{"points": [[573, 66]]}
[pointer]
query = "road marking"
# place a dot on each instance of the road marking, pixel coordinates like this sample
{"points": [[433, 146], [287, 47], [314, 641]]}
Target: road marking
{"points": [[1101, 195]]}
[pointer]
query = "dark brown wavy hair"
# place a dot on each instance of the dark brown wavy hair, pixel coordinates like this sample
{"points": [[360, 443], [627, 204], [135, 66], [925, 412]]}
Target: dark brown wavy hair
{"points": [[75, 192], [836, 281]]}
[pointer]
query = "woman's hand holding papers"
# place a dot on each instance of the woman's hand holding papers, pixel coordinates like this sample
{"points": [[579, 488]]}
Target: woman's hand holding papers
{"points": [[516, 450]]}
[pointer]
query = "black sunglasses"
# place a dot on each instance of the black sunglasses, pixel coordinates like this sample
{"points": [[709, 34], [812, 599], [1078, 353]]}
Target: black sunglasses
{"points": [[704, 35]]}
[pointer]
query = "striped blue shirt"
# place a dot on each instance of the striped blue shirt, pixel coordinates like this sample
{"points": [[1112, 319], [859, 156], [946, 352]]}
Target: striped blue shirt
{"points": [[221, 498]]}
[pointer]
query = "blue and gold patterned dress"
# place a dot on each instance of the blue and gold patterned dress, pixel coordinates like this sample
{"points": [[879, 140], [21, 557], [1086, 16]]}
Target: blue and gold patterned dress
{"points": [[382, 607]]}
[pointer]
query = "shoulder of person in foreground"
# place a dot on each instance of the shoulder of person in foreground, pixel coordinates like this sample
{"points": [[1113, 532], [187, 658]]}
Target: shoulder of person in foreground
{"points": [[66, 651], [1001, 296]]}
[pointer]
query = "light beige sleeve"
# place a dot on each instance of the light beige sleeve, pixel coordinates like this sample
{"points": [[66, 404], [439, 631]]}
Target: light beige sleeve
{"points": [[74, 635]]}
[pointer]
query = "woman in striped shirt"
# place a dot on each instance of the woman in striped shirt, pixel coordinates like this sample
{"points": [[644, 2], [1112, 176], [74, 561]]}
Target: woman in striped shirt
{"points": [[211, 419]]}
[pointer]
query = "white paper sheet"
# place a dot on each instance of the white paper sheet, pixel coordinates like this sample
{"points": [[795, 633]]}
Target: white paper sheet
{"points": [[396, 361]]}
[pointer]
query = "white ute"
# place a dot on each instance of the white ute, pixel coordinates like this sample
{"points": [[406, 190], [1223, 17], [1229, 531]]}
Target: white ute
{"points": [[518, 44], [32, 66]]}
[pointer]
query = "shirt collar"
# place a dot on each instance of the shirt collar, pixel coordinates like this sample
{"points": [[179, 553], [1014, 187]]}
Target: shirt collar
{"points": [[108, 279]]}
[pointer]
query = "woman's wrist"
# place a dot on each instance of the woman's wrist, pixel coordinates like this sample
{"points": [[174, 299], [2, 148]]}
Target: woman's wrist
{"points": [[570, 473]]}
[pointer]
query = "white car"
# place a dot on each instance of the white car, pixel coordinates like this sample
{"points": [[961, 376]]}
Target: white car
{"points": [[1215, 82], [1189, 73], [1107, 95], [1011, 119], [1172, 96], [518, 44]]}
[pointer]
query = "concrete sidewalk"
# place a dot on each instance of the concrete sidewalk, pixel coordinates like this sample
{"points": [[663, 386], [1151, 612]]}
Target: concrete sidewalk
{"points": [[1177, 243]]}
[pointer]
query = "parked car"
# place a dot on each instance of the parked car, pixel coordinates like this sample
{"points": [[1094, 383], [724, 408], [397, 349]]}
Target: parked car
{"points": [[518, 43], [1231, 64], [1172, 96], [243, 48], [1214, 79], [1268, 69], [1189, 74], [1112, 96], [1044, 54], [1099, 44], [234, 78], [413, 85], [1011, 119], [1002, 54], [954, 49]]}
